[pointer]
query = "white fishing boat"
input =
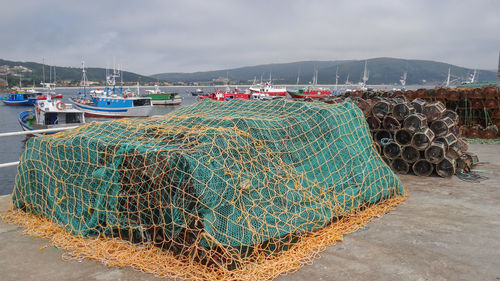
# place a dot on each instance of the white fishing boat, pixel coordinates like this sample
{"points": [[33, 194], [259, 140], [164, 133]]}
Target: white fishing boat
{"points": [[50, 112], [268, 89]]}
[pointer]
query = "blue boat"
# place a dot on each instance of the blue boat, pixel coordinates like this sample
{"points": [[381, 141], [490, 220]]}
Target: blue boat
{"points": [[112, 101], [20, 97]]}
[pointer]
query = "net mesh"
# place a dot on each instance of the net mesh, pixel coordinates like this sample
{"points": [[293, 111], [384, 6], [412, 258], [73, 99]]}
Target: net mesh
{"points": [[222, 188]]}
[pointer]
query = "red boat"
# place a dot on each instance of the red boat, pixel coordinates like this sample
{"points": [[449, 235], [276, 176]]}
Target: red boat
{"points": [[268, 89], [220, 95], [310, 92]]}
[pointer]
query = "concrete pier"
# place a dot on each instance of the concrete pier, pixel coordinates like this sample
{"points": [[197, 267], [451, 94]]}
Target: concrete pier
{"points": [[448, 229]]}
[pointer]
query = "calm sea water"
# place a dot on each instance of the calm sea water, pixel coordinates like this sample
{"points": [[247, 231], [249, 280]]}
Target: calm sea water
{"points": [[11, 148]]}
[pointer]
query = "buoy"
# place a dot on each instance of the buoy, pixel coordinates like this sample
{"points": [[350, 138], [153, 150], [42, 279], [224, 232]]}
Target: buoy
{"points": [[60, 105]]}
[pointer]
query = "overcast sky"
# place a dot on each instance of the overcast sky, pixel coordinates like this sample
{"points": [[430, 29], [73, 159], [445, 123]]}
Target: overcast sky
{"points": [[151, 37]]}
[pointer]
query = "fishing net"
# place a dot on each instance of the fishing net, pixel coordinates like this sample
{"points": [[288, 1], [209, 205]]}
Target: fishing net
{"points": [[228, 190]]}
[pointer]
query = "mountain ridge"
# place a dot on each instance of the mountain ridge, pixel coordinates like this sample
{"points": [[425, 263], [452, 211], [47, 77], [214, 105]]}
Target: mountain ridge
{"points": [[66, 73], [383, 70]]}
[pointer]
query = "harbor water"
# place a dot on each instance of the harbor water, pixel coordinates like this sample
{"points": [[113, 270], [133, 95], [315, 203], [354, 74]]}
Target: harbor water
{"points": [[11, 148]]}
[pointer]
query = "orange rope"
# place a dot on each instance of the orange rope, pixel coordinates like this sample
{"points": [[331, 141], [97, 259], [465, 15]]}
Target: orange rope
{"points": [[151, 259]]}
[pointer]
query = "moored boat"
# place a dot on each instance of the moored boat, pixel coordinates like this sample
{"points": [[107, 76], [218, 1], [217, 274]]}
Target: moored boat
{"points": [[220, 95], [50, 112], [312, 92], [268, 89], [113, 102], [198, 92], [20, 97], [162, 98]]}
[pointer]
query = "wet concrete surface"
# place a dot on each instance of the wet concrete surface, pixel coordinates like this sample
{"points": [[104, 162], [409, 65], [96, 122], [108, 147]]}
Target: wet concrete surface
{"points": [[448, 229]]}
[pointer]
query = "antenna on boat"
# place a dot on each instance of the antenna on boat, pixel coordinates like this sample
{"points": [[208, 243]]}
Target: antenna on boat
{"points": [[366, 74], [336, 78], [84, 80], [448, 78], [298, 76], [403, 79], [347, 80], [43, 70], [473, 78]]}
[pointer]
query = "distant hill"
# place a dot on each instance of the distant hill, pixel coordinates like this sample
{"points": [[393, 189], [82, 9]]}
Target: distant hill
{"points": [[382, 71], [67, 73]]}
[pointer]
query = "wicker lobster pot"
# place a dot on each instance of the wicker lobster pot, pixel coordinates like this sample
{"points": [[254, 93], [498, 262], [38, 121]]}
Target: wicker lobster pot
{"points": [[423, 168], [390, 123], [379, 135], [392, 150], [448, 140], [435, 152], [381, 109], [422, 139], [402, 110], [403, 137], [419, 105], [446, 168], [415, 122], [373, 122], [410, 154], [451, 114], [442, 126], [400, 166], [434, 111]]}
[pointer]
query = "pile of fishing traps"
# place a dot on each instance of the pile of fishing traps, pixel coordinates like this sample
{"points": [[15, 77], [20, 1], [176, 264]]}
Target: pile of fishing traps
{"points": [[233, 188], [417, 135]]}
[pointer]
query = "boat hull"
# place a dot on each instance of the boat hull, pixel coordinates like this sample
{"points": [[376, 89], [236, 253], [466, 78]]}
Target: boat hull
{"points": [[24, 117], [165, 99], [271, 93], [119, 112], [297, 95], [19, 103], [167, 102]]}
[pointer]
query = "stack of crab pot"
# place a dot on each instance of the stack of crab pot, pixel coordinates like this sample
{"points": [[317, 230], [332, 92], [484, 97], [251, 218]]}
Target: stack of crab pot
{"points": [[478, 108], [417, 136]]}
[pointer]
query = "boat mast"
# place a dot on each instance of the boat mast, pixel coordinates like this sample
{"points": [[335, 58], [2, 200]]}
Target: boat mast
{"points": [[366, 75], [336, 78], [448, 78], [43, 70], [84, 80], [298, 76], [403, 79], [473, 78]]}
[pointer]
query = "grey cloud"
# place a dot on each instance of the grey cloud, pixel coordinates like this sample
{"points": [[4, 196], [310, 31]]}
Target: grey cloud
{"points": [[169, 36]]}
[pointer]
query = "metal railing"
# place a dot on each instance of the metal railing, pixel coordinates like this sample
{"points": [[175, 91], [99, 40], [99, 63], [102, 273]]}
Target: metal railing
{"points": [[32, 132]]}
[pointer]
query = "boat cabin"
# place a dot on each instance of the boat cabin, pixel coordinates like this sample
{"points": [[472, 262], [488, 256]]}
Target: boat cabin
{"points": [[118, 102]]}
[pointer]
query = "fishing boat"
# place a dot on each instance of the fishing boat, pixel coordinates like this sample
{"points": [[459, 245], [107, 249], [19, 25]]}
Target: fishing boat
{"points": [[221, 95], [20, 97], [162, 98], [311, 91], [268, 89], [198, 92], [50, 112], [113, 102]]}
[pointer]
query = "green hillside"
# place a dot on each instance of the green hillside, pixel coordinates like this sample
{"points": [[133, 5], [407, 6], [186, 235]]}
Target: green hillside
{"points": [[65, 73], [382, 71]]}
